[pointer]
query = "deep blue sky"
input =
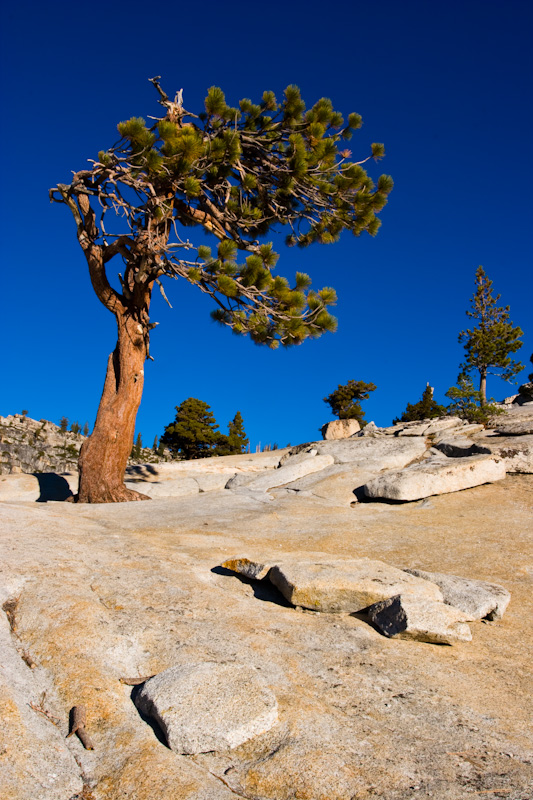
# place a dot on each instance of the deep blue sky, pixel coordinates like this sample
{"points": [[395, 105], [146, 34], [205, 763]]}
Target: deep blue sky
{"points": [[447, 86]]}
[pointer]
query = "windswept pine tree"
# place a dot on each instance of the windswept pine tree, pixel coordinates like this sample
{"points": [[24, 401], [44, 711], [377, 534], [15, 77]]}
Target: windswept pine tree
{"points": [[489, 344], [236, 173], [345, 401]]}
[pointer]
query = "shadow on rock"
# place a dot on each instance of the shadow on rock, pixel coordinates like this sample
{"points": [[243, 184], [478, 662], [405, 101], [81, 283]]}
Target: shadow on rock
{"points": [[52, 487], [263, 590]]}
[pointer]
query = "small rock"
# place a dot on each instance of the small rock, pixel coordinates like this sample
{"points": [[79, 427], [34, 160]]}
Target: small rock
{"points": [[405, 617], [254, 570], [436, 475], [476, 599], [340, 429], [208, 706]]}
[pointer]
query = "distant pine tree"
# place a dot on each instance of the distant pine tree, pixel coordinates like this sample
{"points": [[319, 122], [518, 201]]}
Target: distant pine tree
{"points": [[86, 429], [63, 424], [194, 432], [426, 408], [236, 441], [345, 400], [489, 344], [468, 403]]}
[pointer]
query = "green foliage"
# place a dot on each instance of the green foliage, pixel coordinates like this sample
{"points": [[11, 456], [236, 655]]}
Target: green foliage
{"points": [[426, 408], [85, 429], [63, 424], [75, 427], [193, 433], [239, 173], [24, 413], [236, 441], [345, 400], [136, 451], [489, 344], [468, 403]]}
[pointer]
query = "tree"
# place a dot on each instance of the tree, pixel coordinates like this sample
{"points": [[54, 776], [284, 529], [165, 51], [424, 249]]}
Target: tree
{"points": [[136, 451], [426, 408], [468, 403], [24, 413], [194, 432], [75, 427], [236, 441], [237, 173], [63, 424], [345, 400], [489, 344], [85, 429]]}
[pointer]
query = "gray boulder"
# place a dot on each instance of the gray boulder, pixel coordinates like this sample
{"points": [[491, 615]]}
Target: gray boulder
{"points": [[279, 477], [406, 617], [208, 706], [436, 475], [517, 421], [476, 599], [515, 451]]}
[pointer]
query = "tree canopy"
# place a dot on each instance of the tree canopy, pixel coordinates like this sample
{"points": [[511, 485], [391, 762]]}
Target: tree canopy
{"points": [[345, 400], [194, 432], [489, 344]]}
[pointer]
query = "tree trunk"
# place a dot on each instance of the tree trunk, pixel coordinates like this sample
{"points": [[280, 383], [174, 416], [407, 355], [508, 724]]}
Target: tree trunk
{"points": [[483, 387], [104, 455]]}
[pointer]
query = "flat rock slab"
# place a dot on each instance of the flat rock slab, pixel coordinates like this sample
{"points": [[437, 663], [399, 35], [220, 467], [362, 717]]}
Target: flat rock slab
{"points": [[515, 451], [436, 475], [334, 586], [279, 477], [476, 599], [406, 617], [209, 706], [461, 447], [374, 454], [517, 421]]}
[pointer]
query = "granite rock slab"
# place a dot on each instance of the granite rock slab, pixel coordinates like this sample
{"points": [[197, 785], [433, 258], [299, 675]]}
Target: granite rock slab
{"points": [[476, 599], [209, 706], [436, 475], [407, 617]]}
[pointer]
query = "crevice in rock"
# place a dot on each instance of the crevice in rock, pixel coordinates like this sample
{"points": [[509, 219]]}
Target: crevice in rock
{"points": [[263, 589], [150, 721]]}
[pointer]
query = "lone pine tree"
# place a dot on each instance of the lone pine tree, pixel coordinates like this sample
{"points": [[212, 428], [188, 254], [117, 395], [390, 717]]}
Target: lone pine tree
{"points": [[345, 401], [489, 344], [194, 432], [236, 173], [236, 440]]}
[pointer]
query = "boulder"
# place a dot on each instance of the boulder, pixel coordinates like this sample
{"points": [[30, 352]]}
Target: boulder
{"points": [[406, 617], [436, 475], [476, 599], [460, 447], [279, 477], [208, 706], [340, 429], [346, 585], [525, 393], [253, 570], [374, 454]]}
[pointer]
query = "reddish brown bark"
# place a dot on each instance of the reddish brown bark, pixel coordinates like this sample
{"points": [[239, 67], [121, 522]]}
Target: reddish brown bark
{"points": [[104, 455]]}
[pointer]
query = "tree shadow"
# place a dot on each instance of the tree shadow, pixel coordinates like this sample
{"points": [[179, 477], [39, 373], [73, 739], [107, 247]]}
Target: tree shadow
{"points": [[52, 487], [263, 589]]}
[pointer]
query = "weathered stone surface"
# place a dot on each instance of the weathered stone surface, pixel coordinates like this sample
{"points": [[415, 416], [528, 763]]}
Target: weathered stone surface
{"points": [[436, 475], [279, 477], [374, 453], [515, 451], [254, 570], [461, 447], [346, 585], [340, 429], [42, 487], [335, 484], [209, 706], [35, 761], [525, 393], [406, 617], [476, 599], [295, 458], [517, 421]]}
